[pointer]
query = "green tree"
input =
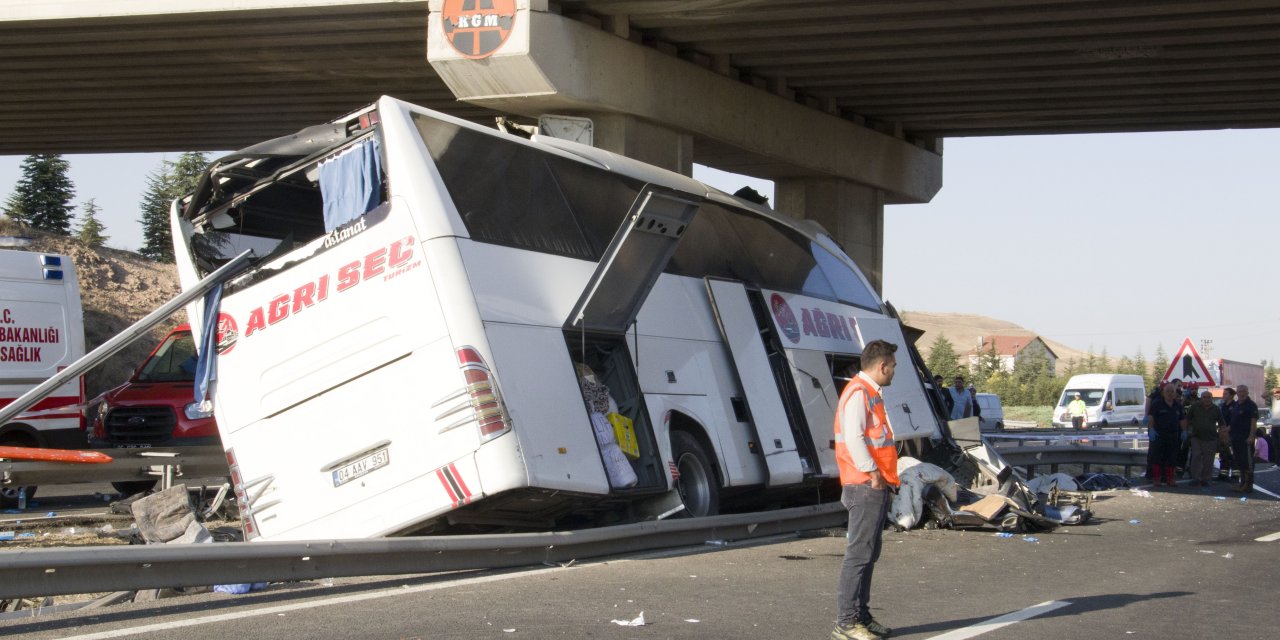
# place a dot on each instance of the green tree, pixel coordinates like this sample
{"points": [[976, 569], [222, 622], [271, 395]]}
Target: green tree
{"points": [[1158, 366], [1091, 362], [42, 197], [1125, 365], [91, 229], [943, 360], [988, 366], [1140, 367], [1272, 376], [171, 181], [1104, 362]]}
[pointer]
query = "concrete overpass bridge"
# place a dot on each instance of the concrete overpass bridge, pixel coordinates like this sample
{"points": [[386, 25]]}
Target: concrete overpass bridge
{"points": [[843, 104]]}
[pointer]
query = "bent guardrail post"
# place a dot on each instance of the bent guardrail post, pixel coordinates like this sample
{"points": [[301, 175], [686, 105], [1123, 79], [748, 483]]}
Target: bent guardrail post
{"points": [[131, 333], [42, 572]]}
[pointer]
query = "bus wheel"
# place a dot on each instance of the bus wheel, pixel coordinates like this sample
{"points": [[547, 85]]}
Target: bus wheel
{"points": [[697, 481], [9, 493], [134, 487]]}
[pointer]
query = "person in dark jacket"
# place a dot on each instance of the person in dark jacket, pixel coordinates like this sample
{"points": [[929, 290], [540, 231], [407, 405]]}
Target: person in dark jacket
{"points": [[1243, 431], [1167, 423]]}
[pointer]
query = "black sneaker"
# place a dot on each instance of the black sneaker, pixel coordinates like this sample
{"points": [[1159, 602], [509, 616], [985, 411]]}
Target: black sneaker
{"points": [[877, 628]]}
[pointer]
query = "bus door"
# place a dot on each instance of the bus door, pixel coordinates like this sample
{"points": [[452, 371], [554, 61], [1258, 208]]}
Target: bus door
{"points": [[761, 387], [596, 328], [905, 401], [818, 396]]}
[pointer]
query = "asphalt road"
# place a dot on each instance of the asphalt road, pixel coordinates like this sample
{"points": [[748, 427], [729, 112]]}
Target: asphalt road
{"points": [[1180, 563]]}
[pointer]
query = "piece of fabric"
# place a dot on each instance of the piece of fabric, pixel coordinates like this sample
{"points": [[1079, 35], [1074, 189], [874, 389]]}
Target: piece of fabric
{"points": [[351, 183], [207, 352], [914, 476], [867, 511], [1045, 484]]}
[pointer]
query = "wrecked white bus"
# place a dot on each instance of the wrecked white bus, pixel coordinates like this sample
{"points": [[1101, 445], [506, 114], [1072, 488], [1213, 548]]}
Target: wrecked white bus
{"points": [[452, 326]]}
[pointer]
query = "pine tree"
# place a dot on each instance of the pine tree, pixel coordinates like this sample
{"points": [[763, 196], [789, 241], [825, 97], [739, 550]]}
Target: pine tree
{"points": [[942, 360], [172, 180], [1158, 366], [1272, 374], [90, 233], [1125, 365], [1140, 367], [42, 197]]}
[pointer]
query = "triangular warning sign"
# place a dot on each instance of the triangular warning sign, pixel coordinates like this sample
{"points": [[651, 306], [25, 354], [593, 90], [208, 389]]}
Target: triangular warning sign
{"points": [[1188, 367]]}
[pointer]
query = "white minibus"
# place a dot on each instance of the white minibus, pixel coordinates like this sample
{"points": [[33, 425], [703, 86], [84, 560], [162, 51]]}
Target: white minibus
{"points": [[448, 327], [1111, 399]]}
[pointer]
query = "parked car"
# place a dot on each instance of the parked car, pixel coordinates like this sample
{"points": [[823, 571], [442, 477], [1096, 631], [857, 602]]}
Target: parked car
{"points": [[156, 407], [992, 418]]}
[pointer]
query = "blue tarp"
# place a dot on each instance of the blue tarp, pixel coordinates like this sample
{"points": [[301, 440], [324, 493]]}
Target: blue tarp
{"points": [[351, 184], [207, 365]]}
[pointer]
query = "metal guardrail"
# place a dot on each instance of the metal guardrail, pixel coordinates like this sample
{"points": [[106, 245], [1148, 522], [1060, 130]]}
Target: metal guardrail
{"points": [[43, 572], [126, 464]]}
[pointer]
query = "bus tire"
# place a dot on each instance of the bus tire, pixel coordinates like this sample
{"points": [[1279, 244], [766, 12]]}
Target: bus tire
{"points": [[697, 484], [9, 493], [134, 487]]}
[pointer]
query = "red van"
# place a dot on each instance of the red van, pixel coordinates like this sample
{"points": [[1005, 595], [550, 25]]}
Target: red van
{"points": [[156, 407]]}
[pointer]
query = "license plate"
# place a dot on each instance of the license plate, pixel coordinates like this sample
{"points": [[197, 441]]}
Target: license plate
{"points": [[134, 446], [364, 466]]}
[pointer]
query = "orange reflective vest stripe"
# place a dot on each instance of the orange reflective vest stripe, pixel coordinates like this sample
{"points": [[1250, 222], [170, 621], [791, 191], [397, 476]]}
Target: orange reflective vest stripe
{"points": [[877, 434]]}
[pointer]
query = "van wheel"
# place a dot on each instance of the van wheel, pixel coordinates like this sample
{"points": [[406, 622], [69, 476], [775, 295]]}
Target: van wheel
{"points": [[134, 487], [697, 482], [9, 493]]}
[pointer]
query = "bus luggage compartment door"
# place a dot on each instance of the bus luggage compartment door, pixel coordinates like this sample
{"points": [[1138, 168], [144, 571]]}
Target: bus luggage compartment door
{"points": [[908, 409], [763, 398]]}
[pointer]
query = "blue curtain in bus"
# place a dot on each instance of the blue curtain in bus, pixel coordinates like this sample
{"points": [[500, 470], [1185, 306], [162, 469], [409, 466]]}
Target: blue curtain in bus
{"points": [[207, 364], [351, 184]]}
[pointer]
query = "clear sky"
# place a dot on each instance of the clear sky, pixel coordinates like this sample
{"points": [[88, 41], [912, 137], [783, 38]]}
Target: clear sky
{"points": [[1116, 241]]}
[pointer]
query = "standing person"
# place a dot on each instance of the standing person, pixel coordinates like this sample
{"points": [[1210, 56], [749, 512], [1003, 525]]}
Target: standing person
{"points": [[1225, 462], [868, 463], [1167, 422], [1243, 430], [1078, 411], [940, 386], [1203, 421], [973, 402], [961, 407]]}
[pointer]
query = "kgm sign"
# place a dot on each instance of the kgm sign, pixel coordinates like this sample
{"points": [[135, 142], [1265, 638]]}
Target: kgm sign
{"points": [[477, 28]]}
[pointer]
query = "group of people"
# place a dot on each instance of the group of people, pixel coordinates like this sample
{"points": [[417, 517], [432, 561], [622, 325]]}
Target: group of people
{"points": [[961, 402], [1179, 422]]}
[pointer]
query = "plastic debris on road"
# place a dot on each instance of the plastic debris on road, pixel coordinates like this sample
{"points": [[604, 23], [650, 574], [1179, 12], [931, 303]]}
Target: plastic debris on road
{"points": [[1228, 556], [1135, 521], [1203, 551], [6, 535], [1219, 497], [1030, 539], [1141, 493], [638, 621], [1004, 534]]}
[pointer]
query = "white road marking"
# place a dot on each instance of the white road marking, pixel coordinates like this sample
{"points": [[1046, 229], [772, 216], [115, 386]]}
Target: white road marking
{"points": [[1002, 621], [1273, 495], [1272, 537], [310, 604]]}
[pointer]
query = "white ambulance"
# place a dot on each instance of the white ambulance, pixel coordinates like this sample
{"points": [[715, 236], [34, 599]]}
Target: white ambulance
{"points": [[41, 332], [452, 327]]}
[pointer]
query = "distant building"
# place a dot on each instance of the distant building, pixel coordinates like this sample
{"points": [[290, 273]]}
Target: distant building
{"points": [[1010, 349]]}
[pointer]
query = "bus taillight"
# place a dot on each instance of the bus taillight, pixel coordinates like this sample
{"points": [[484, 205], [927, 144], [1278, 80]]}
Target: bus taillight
{"points": [[486, 403]]}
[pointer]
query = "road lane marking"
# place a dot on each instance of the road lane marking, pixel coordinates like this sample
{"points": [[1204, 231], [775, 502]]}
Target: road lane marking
{"points": [[1002, 621], [1273, 495], [310, 604], [1269, 538]]}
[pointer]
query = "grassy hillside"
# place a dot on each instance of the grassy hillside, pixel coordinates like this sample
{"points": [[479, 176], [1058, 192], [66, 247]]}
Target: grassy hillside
{"points": [[117, 288]]}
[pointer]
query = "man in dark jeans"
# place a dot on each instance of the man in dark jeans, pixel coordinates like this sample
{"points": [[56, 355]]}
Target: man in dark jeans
{"points": [[1243, 433], [868, 464]]}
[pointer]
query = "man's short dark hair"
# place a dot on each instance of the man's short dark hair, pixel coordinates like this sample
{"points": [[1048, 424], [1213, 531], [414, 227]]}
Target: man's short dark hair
{"points": [[875, 352]]}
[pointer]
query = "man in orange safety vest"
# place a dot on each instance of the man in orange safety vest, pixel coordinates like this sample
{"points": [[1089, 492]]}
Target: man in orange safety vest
{"points": [[868, 462]]}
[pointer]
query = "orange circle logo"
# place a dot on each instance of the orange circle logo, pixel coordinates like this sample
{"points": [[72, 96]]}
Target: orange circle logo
{"points": [[477, 28]]}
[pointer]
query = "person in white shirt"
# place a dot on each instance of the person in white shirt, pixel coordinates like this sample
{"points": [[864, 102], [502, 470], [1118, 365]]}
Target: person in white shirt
{"points": [[961, 401]]}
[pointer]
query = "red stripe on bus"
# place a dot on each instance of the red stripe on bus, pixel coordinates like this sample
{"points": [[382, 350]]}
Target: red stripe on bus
{"points": [[458, 476], [448, 489]]}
